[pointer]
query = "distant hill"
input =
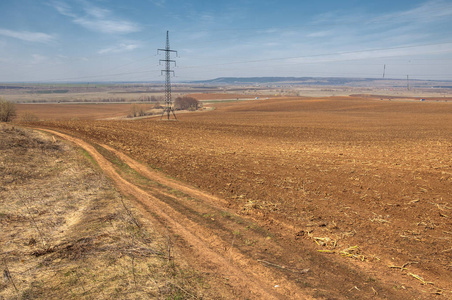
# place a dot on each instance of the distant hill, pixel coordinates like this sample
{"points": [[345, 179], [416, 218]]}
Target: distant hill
{"points": [[332, 81], [300, 80]]}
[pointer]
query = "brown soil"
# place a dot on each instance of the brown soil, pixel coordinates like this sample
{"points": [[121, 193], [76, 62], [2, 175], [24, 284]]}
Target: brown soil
{"points": [[217, 96], [76, 111], [324, 198]]}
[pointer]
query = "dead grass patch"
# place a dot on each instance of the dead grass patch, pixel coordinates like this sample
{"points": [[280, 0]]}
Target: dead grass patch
{"points": [[67, 234]]}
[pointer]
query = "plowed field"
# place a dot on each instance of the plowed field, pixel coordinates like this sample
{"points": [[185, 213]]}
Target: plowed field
{"points": [[357, 191], [78, 111]]}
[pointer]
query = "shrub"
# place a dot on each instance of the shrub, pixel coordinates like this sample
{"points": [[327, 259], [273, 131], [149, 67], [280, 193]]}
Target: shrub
{"points": [[137, 111], [28, 117], [7, 111]]}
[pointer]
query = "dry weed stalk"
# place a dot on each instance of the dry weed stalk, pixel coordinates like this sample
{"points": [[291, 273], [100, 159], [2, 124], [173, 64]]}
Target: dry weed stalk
{"points": [[404, 265], [168, 244], [129, 213], [379, 219], [8, 276], [420, 279], [325, 241], [133, 263], [375, 292], [353, 252], [80, 282], [33, 220], [184, 290]]}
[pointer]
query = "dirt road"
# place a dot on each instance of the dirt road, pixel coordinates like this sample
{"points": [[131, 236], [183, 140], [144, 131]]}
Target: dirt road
{"points": [[196, 243], [240, 258]]}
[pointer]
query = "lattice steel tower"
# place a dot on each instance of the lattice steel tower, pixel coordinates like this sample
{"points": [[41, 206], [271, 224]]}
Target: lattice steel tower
{"points": [[168, 101]]}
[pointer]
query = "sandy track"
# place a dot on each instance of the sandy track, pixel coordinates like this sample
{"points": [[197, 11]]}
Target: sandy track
{"points": [[200, 246]]}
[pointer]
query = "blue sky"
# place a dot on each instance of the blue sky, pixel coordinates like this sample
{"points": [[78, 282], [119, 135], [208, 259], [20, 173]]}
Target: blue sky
{"points": [[112, 40]]}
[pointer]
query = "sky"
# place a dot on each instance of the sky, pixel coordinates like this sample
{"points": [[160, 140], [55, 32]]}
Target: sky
{"points": [[113, 40]]}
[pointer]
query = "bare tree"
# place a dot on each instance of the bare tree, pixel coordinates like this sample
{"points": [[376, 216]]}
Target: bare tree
{"points": [[186, 103], [137, 111]]}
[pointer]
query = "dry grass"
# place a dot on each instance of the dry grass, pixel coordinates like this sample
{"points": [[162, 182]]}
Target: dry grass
{"points": [[67, 234]]}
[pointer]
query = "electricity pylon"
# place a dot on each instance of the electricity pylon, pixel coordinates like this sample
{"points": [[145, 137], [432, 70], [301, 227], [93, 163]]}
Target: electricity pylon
{"points": [[168, 101]]}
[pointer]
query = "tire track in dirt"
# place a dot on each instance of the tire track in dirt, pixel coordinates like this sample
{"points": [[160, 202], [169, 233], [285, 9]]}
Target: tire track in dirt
{"points": [[201, 247], [204, 233], [212, 200], [142, 169]]}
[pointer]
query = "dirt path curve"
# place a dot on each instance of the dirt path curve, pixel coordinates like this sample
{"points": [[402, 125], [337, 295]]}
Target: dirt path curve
{"points": [[202, 248], [240, 258], [142, 169]]}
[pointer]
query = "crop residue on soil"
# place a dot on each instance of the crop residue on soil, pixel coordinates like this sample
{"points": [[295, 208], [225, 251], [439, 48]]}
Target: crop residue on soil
{"points": [[364, 182]]}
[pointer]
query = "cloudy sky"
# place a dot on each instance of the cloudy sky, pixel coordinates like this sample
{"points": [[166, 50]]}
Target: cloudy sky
{"points": [[113, 40]]}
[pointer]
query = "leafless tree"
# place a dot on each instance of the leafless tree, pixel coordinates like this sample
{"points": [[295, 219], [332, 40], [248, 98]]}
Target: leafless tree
{"points": [[186, 103]]}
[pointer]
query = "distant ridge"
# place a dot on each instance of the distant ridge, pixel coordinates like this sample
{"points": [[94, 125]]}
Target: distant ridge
{"points": [[333, 81], [307, 80]]}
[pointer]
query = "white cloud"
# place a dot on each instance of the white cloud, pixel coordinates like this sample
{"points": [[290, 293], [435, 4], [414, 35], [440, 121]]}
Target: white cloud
{"points": [[107, 26], [318, 34], [194, 36], [207, 17], [96, 18], [62, 8], [97, 12], [416, 18], [272, 44], [340, 17], [430, 11], [402, 51], [118, 49], [37, 37], [160, 3], [423, 24], [37, 59]]}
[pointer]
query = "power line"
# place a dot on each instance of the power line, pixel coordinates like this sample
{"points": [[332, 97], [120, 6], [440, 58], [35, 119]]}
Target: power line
{"points": [[325, 54], [99, 76], [267, 60]]}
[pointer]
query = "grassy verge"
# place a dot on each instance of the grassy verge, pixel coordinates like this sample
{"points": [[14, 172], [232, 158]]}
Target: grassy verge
{"points": [[124, 169]]}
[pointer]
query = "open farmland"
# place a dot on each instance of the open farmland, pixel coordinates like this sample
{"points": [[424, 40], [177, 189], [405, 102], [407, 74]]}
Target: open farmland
{"points": [[76, 111], [356, 190]]}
